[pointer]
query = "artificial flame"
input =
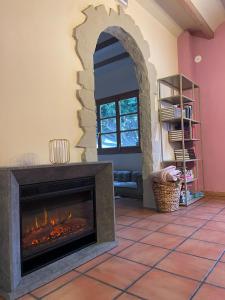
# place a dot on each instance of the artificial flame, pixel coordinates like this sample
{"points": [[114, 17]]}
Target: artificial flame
{"points": [[46, 216], [53, 221], [36, 223], [46, 228]]}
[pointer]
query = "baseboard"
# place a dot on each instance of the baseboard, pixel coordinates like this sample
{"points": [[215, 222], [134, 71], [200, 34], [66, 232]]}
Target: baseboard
{"points": [[214, 194]]}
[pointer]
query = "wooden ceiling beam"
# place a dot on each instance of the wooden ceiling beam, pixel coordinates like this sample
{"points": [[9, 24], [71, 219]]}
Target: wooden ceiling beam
{"points": [[111, 60], [187, 16], [106, 43], [223, 2]]}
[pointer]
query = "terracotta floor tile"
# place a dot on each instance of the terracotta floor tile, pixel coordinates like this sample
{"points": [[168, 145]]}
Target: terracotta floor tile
{"points": [[118, 272], [164, 218], [222, 212], [223, 258], [180, 230], [126, 296], [121, 211], [199, 215], [214, 225], [201, 248], [51, 286], [119, 227], [209, 292], [125, 220], [210, 236], [219, 217], [145, 254], [122, 244], [159, 285], [207, 209], [178, 212], [148, 224], [214, 203], [186, 265], [167, 241], [92, 263], [140, 213], [133, 233], [25, 297], [84, 288], [189, 221], [217, 276]]}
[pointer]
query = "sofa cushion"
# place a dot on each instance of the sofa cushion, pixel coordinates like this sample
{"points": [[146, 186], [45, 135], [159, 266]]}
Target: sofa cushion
{"points": [[136, 176], [128, 184], [122, 176]]}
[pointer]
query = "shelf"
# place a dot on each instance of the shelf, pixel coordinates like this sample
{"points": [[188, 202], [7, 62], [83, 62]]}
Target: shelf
{"points": [[186, 120], [175, 160], [191, 201], [176, 99], [172, 113], [190, 181], [174, 82], [186, 140]]}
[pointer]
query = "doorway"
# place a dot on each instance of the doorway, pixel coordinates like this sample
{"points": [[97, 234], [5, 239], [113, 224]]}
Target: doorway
{"points": [[118, 135]]}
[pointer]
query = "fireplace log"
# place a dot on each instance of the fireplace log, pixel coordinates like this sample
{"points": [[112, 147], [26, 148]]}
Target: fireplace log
{"points": [[50, 232]]}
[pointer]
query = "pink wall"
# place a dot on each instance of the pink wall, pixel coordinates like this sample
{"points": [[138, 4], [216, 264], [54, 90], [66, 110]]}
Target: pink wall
{"points": [[210, 75]]}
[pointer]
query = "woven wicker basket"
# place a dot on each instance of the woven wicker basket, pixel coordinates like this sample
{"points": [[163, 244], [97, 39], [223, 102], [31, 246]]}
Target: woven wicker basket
{"points": [[167, 196]]}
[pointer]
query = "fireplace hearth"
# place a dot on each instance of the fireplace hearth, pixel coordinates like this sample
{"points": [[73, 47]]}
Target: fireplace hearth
{"points": [[52, 219]]}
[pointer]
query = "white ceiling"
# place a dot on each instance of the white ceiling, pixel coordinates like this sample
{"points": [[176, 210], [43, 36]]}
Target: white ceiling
{"points": [[212, 12]]}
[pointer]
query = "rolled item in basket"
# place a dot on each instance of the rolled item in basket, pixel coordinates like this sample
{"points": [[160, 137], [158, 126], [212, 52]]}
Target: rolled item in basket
{"points": [[168, 174]]}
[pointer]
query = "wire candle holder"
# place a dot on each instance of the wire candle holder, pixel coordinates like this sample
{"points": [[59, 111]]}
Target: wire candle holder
{"points": [[59, 151]]}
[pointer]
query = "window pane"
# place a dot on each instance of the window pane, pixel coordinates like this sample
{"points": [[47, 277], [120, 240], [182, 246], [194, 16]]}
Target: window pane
{"points": [[108, 110], [128, 106], [129, 122], [108, 125], [129, 139], [109, 140], [97, 135], [96, 141]]}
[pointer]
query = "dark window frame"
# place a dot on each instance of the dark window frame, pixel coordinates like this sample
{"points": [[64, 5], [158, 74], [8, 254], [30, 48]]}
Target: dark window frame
{"points": [[119, 149]]}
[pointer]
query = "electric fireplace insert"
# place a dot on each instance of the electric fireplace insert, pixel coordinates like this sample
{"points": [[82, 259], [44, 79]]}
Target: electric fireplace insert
{"points": [[57, 218]]}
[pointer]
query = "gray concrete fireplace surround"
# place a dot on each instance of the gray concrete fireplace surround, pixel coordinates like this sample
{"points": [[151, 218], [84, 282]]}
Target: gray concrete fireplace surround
{"points": [[12, 283]]}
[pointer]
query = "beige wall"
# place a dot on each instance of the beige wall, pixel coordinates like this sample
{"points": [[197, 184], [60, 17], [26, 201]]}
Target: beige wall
{"points": [[38, 73]]}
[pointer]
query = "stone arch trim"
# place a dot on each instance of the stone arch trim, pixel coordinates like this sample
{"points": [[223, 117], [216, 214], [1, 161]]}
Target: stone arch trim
{"points": [[123, 27]]}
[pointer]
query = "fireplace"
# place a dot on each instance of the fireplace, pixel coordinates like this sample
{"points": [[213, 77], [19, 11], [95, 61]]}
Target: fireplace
{"points": [[57, 218], [53, 218]]}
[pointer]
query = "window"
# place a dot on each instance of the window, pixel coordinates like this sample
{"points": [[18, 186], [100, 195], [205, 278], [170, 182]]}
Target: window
{"points": [[118, 124]]}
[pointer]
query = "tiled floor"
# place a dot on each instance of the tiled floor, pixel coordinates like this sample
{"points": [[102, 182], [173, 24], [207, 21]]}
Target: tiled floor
{"points": [[174, 256]]}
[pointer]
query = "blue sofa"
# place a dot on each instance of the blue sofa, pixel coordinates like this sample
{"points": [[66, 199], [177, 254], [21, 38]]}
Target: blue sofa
{"points": [[128, 184]]}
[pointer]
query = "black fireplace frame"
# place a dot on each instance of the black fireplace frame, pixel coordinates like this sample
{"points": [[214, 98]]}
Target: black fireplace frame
{"points": [[72, 185]]}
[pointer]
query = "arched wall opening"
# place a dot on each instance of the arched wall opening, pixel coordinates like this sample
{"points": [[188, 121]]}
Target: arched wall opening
{"points": [[121, 26], [118, 119], [117, 106]]}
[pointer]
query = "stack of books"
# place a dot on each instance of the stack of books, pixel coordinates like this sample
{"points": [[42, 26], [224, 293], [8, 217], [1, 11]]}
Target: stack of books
{"points": [[188, 154], [176, 135], [172, 112], [188, 175], [188, 111]]}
